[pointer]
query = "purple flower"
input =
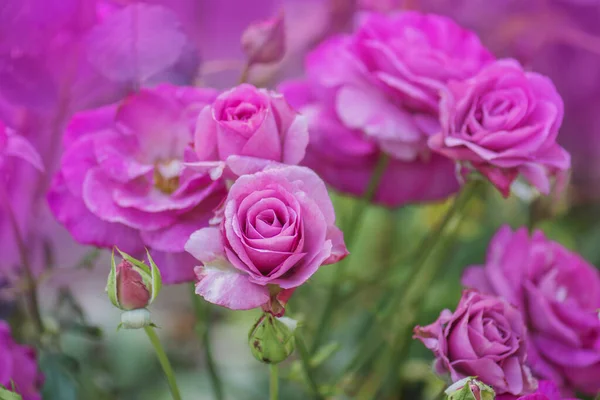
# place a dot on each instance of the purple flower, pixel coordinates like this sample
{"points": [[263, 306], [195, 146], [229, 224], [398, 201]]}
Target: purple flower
{"points": [[484, 337], [13, 145], [504, 122], [19, 366], [559, 295], [123, 179], [264, 41], [254, 123], [278, 228], [377, 90]]}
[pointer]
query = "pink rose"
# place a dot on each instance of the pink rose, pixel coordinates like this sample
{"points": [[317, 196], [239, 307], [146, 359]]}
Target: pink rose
{"points": [[254, 123], [376, 91], [277, 229], [124, 179], [485, 337], [19, 365], [558, 293], [504, 122], [13, 145]]}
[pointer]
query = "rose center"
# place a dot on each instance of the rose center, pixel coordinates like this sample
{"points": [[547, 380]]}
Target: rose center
{"points": [[166, 176]]}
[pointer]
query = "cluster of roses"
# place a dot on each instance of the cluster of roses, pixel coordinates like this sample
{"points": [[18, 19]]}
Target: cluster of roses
{"points": [[187, 171]]}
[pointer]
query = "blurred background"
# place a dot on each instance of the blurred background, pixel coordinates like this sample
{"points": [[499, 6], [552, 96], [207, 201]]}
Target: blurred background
{"points": [[52, 65]]}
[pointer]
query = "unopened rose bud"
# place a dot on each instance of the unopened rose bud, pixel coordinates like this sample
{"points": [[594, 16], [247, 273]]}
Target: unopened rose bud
{"points": [[470, 389], [271, 339], [264, 41], [133, 285]]}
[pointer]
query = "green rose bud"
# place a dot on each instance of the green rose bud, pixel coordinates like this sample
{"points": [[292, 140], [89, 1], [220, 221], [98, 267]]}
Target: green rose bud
{"points": [[470, 389], [6, 394], [271, 339]]}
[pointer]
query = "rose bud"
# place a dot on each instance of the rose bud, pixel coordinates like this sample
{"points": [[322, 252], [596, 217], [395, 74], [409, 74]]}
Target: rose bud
{"points": [[271, 339], [6, 394], [132, 286], [470, 389], [264, 41]]}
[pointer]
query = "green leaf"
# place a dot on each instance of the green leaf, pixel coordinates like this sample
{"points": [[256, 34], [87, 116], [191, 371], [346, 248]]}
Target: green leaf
{"points": [[324, 353], [111, 285], [60, 373], [6, 394], [156, 278]]}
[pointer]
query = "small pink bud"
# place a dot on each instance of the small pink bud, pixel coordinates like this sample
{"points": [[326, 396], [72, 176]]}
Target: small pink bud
{"points": [[132, 292], [264, 41]]}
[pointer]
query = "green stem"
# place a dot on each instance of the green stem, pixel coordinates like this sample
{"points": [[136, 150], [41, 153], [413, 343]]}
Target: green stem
{"points": [[32, 297], [418, 283], [306, 366], [274, 382], [202, 311], [164, 361], [351, 235]]}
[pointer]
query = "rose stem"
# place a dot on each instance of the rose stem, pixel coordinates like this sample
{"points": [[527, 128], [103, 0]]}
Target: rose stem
{"points": [[274, 382], [351, 234], [305, 357], [202, 311], [34, 309], [417, 284], [164, 362]]}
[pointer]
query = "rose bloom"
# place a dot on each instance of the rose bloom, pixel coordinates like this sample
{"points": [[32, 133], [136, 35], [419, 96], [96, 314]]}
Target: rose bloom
{"points": [[277, 229], [18, 366], [484, 337], [123, 180], [257, 124], [378, 91], [504, 122], [559, 295]]}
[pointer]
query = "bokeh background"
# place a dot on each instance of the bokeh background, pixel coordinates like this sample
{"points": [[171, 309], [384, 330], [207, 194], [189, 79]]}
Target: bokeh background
{"points": [[52, 65]]}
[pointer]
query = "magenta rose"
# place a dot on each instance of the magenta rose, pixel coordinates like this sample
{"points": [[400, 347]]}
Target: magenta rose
{"points": [[503, 122], [484, 337], [277, 229], [257, 124], [378, 91], [124, 180], [19, 366], [559, 295]]}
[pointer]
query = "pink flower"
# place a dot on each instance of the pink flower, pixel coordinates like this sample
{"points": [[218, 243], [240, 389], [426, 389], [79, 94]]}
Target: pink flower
{"points": [[132, 292], [484, 337], [378, 91], [547, 390], [264, 41], [254, 123], [123, 179], [13, 145], [504, 122], [19, 366], [559, 295], [278, 228]]}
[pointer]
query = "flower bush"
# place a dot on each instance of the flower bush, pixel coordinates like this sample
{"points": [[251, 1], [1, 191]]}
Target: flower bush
{"points": [[319, 178]]}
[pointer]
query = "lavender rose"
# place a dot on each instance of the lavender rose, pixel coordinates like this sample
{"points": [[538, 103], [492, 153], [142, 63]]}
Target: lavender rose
{"points": [[278, 228], [254, 123], [19, 366], [559, 295], [124, 178], [484, 337], [504, 122], [547, 390], [377, 91]]}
